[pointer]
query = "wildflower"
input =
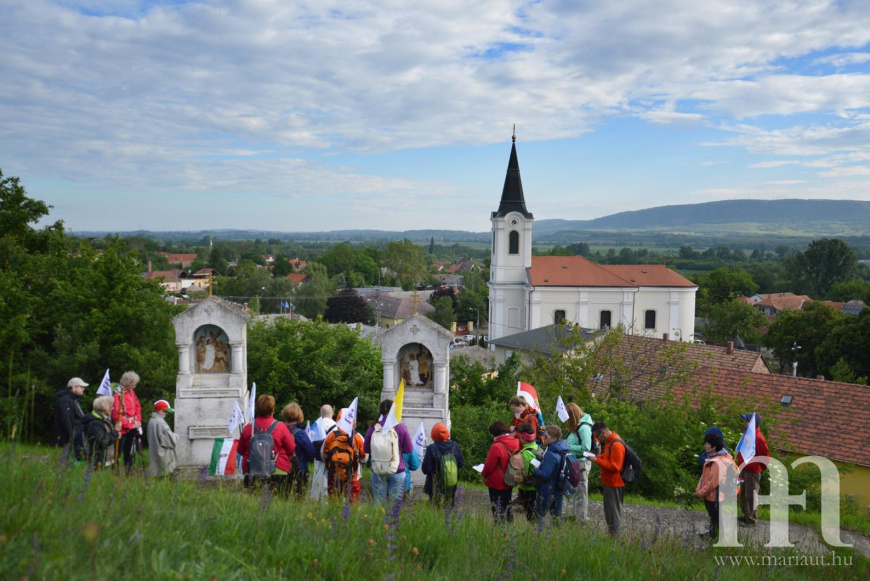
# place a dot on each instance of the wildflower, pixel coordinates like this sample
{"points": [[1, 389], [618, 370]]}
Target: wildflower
{"points": [[371, 542], [415, 551], [90, 530], [314, 562]]}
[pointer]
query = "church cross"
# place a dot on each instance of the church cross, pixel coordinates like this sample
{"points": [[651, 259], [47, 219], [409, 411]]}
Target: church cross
{"points": [[416, 300]]}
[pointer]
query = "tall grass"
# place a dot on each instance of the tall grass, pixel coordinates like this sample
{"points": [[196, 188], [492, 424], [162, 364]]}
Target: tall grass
{"points": [[67, 522]]}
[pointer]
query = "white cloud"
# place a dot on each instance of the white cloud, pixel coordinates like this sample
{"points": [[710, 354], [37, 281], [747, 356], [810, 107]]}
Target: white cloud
{"points": [[769, 164]]}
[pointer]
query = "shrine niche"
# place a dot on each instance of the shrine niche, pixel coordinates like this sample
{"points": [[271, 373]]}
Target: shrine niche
{"points": [[212, 348], [416, 366]]}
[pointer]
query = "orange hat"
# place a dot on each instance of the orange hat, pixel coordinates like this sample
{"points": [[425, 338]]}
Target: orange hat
{"points": [[440, 433]]}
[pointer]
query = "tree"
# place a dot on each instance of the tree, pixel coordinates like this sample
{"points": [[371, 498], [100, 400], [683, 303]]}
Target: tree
{"points": [[406, 260], [342, 259], [432, 246], [216, 260], [310, 297], [806, 328], [845, 291], [443, 314], [825, 262], [724, 284], [444, 291], [347, 307], [848, 340], [734, 317]]}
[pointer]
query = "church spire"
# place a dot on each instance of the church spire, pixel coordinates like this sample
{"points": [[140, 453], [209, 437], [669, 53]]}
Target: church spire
{"points": [[512, 199]]}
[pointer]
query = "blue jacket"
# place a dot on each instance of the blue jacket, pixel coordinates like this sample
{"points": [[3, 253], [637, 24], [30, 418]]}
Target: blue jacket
{"points": [[551, 466], [412, 462], [432, 460], [304, 447]]}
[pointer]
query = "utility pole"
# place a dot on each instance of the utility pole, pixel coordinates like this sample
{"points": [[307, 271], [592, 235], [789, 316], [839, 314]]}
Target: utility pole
{"points": [[794, 363]]}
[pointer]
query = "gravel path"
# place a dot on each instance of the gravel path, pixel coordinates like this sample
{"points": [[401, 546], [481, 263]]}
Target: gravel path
{"points": [[643, 519]]}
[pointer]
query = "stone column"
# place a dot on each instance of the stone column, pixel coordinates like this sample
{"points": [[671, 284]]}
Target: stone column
{"points": [[389, 379], [237, 357], [184, 358], [440, 386]]}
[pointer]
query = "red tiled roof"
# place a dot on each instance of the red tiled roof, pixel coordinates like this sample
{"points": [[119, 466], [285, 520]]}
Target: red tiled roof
{"points": [[203, 272], [166, 275], [826, 418], [785, 301], [173, 258], [578, 271], [297, 277]]}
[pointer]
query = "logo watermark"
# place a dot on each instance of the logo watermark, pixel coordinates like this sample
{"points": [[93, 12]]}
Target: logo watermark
{"points": [[779, 500], [831, 560]]}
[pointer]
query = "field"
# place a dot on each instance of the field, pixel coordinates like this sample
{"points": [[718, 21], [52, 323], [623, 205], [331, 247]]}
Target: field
{"points": [[62, 521]]}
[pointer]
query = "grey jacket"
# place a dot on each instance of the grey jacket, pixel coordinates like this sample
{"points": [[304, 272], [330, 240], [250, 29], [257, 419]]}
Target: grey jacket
{"points": [[162, 458]]}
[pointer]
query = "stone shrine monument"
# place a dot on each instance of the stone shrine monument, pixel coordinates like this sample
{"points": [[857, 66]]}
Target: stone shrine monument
{"points": [[418, 350], [212, 373]]}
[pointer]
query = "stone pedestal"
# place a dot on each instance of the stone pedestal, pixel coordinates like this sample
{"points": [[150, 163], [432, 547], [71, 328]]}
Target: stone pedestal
{"points": [[212, 373], [418, 350]]}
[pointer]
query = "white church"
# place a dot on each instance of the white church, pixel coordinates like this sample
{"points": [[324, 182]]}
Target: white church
{"points": [[528, 292]]}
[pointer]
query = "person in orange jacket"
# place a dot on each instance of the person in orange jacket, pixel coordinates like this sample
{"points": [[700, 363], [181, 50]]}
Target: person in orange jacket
{"points": [[718, 462], [751, 474], [127, 417], [611, 461], [358, 443]]}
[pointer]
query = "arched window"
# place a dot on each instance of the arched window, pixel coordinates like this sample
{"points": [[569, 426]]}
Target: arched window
{"points": [[514, 242]]}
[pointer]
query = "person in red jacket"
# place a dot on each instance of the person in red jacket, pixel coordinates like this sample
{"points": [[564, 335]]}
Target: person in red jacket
{"points": [[523, 413], [127, 417], [751, 474], [611, 461], [283, 445], [503, 446]]}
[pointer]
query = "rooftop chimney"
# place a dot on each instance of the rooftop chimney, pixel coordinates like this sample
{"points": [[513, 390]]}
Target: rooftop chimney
{"points": [[729, 349], [149, 266]]}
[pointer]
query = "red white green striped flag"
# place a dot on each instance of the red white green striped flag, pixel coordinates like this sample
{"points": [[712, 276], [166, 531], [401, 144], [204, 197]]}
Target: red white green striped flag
{"points": [[224, 457]]}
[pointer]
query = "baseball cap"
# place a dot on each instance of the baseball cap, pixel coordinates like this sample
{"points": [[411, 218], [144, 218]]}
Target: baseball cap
{"points": [[748, 417], [76, 381], [161, 405]]}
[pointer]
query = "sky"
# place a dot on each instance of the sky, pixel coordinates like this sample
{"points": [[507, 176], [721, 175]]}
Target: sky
{"points": [[315, 115]]}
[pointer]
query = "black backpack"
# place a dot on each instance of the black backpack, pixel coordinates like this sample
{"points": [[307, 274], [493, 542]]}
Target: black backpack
{"points": [[632, 465], [261, 460], [318, 445], [81, 450], [298, 462]]}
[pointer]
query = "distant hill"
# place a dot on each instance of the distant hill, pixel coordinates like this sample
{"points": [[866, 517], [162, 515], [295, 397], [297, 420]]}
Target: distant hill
{"points": [[809, 217], [787, 221]]}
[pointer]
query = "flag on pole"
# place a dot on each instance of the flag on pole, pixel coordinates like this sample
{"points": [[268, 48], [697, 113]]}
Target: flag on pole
{"points": [[252, 402], [348, 418], [224, 457], [746, 445], [528, 393], [420, 441], [561, 410], [395, 415], [105, 385], [316, 432], [236, 418]]}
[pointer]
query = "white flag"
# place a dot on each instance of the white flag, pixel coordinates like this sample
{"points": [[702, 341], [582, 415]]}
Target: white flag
{"points": [[420, 441], [236, 418], [105, 385], [746, 445], [316, 432], [348, 418], [561, 410], [252, 402], [308, 431]]}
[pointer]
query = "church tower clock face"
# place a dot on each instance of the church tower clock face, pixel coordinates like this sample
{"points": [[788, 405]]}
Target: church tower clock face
{"points": [[514, 222]]}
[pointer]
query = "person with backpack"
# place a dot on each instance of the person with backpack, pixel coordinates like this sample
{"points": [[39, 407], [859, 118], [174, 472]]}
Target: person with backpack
{"points": [[494, 469], [523, 413], [611, 460], [529, 450], [386, 450], [293, 418], [128, 412], [579, 440], [323, 425], [344, 454], [96, 434], [68, 414], [162, 457], [718, 463], [412, 462], [751, 474], [549, 474], [267, 448], [441, 465]]}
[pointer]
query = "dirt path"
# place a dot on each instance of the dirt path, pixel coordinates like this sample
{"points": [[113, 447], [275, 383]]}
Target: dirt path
{"points": [[642, 520]]}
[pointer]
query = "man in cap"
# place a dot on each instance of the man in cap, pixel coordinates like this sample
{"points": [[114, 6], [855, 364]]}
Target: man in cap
{"points": [[162, 457], [68, 413], [751, 473]]}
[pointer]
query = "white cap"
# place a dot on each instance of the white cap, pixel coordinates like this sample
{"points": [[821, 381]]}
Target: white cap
{"points": [[76, 381]]}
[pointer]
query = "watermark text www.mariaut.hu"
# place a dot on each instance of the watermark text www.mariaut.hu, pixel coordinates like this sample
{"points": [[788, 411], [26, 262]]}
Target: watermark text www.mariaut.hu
{"points": [[830, 560]]}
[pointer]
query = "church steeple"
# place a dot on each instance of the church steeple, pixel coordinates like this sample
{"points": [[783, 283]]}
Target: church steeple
{"points": [[512, 199]]}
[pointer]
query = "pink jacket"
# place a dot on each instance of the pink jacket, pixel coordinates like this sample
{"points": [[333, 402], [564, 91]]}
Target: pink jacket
{"points": [[714, 473]]}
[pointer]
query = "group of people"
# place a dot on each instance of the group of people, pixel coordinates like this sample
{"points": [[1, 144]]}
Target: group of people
{"points": [[113, 428], [278, 453]]}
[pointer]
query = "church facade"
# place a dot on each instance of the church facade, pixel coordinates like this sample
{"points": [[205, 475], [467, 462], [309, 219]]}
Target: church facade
{"points": [[527, 292]]}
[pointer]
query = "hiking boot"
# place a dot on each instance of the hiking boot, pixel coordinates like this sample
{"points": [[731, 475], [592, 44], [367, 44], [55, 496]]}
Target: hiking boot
{"points": [[747, 524]]}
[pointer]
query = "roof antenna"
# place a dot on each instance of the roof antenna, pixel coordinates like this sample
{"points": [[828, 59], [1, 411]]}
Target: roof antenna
{"points": [[514, 136]]}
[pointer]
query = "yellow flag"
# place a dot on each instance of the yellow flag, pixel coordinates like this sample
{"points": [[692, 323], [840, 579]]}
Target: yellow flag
{"points": [[395, 415]]}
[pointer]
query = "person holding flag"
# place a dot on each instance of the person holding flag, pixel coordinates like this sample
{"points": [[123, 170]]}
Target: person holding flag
{"points": [[386, 441], [524, 413], [752, 445], [579, 428], [344, 453], [317, 434]]}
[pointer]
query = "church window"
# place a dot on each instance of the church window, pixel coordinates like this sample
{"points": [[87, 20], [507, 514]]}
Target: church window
{"points": [[513, 317], [604, 320], [649, 319], [559, 316], [514, 242]]}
